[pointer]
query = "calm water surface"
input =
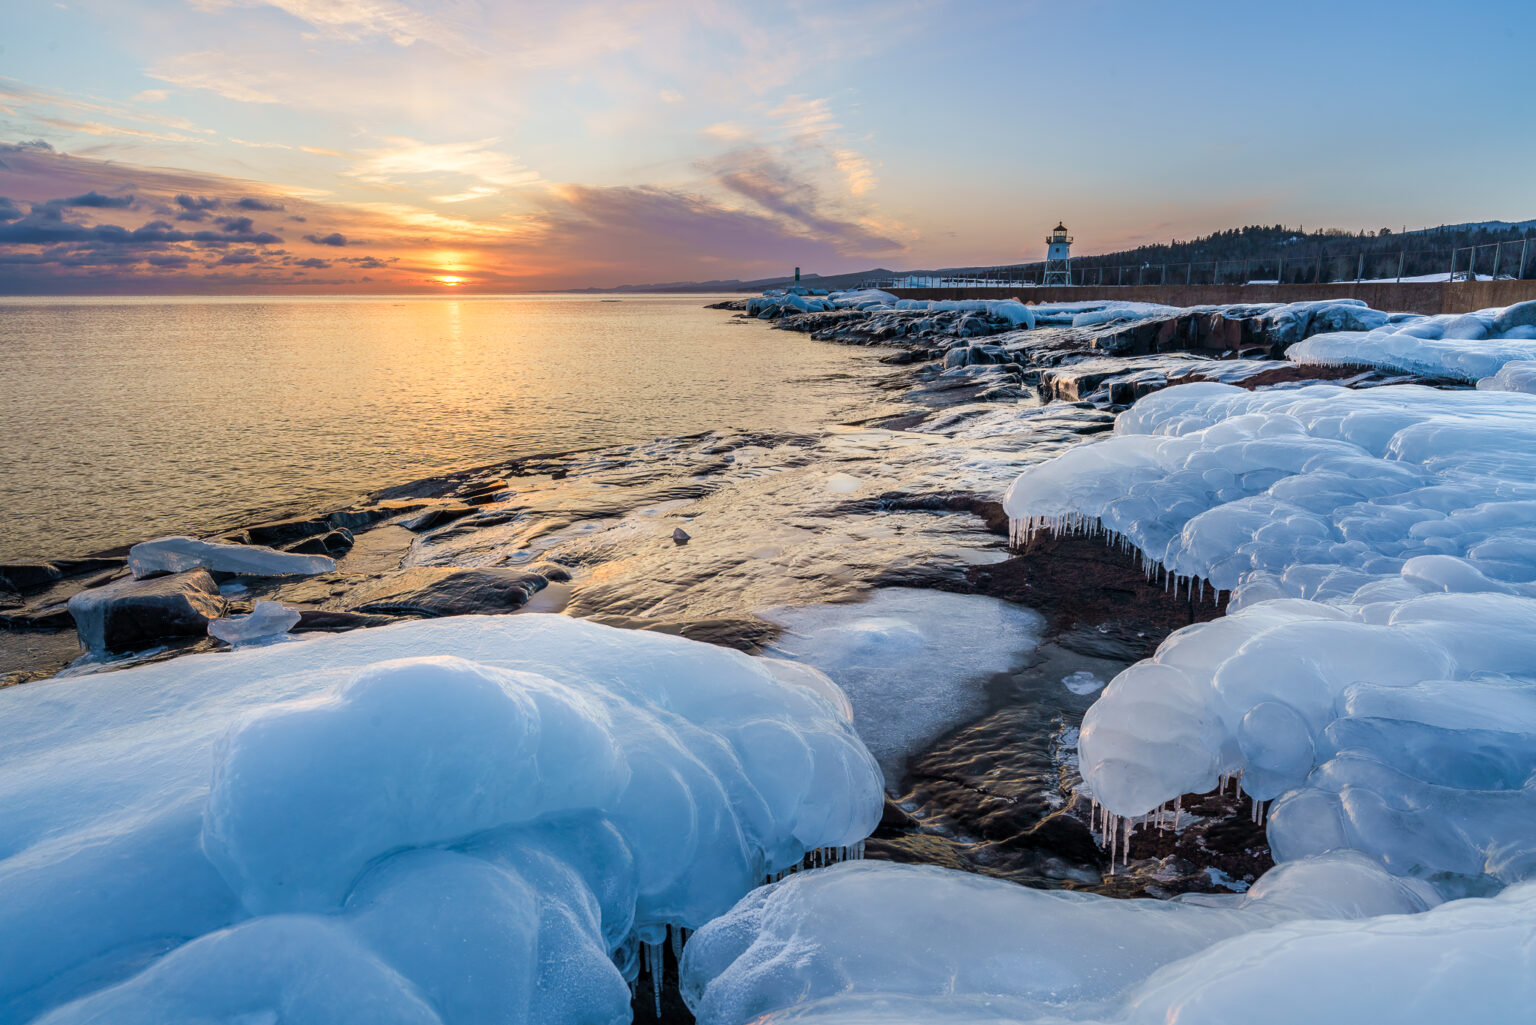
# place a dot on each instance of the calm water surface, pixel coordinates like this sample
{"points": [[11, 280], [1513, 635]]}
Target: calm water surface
{"points": [[126, 419]]}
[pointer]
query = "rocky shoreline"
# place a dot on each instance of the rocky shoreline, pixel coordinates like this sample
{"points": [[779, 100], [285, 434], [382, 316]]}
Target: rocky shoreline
{"points": [[695, 535], [720, 537]]}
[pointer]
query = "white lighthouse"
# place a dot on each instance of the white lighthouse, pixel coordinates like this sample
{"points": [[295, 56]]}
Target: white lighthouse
{"points": [[1058, 259]]}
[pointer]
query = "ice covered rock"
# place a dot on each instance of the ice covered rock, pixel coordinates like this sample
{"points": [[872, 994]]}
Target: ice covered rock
{"points": [[459, 820], [1406, 518], [267, 621], [178, 554], [880, 942], [914, 663], [1461, 347], [130, 614]]}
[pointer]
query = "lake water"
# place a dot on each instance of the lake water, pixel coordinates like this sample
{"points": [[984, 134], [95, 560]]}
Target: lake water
{"points": [[126, 419]]}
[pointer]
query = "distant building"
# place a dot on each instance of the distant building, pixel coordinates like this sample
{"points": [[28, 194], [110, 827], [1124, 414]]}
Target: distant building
{"points": [[1058, 258]]}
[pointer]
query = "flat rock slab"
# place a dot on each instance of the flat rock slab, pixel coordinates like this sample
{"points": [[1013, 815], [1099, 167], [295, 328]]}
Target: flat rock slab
{"points": [[129, 614], [446, 591]]}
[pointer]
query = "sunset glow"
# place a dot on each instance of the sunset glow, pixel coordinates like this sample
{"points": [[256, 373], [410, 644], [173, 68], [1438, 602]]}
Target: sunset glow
{"points": [[393, 145]]}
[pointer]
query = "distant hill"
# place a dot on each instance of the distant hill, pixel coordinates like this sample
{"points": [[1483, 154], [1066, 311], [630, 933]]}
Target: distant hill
{"points": [[831, 281], [1427, 251]]}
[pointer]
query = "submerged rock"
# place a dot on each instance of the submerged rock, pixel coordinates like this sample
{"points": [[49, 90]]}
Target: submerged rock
{"points": [[433, 591], [333, 543], [130, 614]]}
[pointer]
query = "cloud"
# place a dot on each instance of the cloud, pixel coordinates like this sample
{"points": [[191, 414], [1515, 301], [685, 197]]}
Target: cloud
{"points": [[755, 174], [251, 203], [97, 200], [748, 215], [359, 19], [406, 160]]}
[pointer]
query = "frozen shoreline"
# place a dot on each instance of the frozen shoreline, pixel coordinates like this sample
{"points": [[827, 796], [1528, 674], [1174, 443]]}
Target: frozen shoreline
{"points": [[743, 539]]}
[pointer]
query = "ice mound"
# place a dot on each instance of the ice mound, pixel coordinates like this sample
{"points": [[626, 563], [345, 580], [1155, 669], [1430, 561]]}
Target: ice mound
{"points": [[1371, 680], [1312, 491], [878, 942], [1458, 347], [914, 663], [342, 829], [178, 554], [1519, 375]]}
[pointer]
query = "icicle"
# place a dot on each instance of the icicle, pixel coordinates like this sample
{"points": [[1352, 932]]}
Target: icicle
{"points": [[1178, 811], [657, 964], [675, 934]]}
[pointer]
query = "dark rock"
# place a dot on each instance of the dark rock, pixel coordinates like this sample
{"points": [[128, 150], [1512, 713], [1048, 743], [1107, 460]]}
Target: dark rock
{"points": [[75, 567], [333, 543], [437, 516], [680, 536], [51, 617], [29, 576], [326, 621], [130, 614], [442, 591], [281, 532], [553, 572]]}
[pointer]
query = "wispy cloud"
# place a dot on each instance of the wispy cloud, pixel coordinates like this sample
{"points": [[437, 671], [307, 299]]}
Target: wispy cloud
{"points": [[408, 161]]}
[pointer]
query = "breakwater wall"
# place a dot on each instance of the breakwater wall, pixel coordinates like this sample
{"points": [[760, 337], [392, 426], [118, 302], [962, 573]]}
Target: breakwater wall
{"points": [[1427, 297]]}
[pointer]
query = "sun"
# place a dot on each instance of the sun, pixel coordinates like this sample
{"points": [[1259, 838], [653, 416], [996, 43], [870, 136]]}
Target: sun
{"points": [[450, 279]]}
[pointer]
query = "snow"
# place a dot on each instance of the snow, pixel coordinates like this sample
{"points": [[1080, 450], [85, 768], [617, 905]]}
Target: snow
{"points": [[1378, 542], [879, 942], [339, 828], [914, 663], [267, 621], [178, 554], [1460, 347]]}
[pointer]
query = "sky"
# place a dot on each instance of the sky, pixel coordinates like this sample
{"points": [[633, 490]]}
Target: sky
{"points": [[322, 146]]}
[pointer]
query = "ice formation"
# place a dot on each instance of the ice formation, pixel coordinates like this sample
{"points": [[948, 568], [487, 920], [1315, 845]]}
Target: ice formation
{"points": [[914, 663], [268, 621], [1459, 347], [778, 303], [331, 830], [1382, 549], [178, 554], [874, 942]]}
